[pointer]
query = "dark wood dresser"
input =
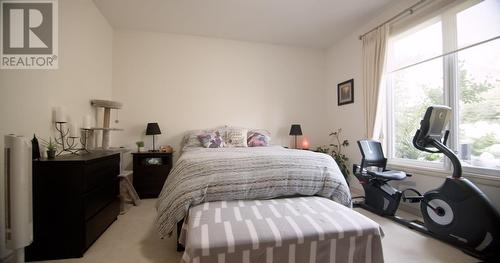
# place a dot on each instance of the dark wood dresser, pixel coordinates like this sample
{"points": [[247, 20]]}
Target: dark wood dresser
{"points": [[150, 172], [75, 198]]}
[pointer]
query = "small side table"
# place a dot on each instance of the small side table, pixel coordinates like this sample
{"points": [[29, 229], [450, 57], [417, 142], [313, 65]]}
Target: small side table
{"points": [[150, 172]]}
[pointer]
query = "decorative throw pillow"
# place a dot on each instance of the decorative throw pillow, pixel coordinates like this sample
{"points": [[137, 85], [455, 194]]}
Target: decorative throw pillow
{"points": [[256, 139], [236, 137], [261, 131], [211, 140], [191, 139]]}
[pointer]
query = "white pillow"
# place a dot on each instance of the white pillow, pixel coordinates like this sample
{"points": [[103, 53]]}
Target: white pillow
{"points": [[236, 137]]}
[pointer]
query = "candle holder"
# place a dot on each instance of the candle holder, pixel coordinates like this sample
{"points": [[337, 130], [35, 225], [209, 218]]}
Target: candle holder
{"points": [[84, 139], [66, 142]]}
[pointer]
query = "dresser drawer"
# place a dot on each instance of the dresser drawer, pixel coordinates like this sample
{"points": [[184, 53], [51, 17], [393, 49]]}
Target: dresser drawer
{"points": [[96, 225], [99, 173], [95, 200], [147, 175]]}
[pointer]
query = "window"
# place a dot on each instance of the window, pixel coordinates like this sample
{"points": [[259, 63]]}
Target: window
{"points": [[451, 59]]}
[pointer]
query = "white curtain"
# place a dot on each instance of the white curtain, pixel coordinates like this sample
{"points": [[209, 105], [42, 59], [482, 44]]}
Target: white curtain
{"points": [[374, 59]]}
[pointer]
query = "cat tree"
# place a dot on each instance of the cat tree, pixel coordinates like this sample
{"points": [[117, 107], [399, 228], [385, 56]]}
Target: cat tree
{"points": [[108, 105]]}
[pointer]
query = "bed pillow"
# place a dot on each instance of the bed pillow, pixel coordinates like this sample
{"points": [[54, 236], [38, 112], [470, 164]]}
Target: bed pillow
{"points": [[256, 139], [191, 140], [261, 131], [211, 140], [236, 137]]}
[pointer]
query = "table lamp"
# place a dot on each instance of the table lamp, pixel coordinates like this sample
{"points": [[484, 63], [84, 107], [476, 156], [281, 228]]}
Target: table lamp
{"points": [[295, 130], [153, 129]]}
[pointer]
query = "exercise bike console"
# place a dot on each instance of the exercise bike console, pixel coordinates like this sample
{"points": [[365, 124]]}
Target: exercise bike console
{"points": [[457, 212]]}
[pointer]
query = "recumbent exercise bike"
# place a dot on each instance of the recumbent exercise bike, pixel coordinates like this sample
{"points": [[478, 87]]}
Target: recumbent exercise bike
{"points": [[457, 212]]}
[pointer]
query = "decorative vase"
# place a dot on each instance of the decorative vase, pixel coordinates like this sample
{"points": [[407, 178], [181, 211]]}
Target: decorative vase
{"points": [[51, 154]]}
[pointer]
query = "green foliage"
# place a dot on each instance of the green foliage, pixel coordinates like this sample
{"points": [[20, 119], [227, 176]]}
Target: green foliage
{"points": [[407, 123], [342, 162], [139, 144], [336, 152], [470, 89], [472, 94], [49, 145], [322, 149], [480, 145]]}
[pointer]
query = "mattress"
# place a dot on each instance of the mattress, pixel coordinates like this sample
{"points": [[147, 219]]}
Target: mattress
{"points": [[302, 229]]}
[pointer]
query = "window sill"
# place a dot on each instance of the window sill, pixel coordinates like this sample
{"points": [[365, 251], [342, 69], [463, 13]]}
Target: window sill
{"points": [[427, 170]]}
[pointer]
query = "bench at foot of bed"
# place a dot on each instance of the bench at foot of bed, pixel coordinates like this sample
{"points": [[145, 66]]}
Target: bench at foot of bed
{"points": [[301, 229]]}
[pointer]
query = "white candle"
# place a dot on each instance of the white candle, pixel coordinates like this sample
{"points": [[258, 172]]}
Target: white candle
{"points": [[87, 122], [73, 130], [60, 115]]}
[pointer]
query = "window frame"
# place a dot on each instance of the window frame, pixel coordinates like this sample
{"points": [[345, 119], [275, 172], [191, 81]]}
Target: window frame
{"points": [[450, 92]]}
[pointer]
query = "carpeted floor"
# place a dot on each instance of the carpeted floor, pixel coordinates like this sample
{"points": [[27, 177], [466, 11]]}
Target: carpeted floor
{"points": [[132, 238]]}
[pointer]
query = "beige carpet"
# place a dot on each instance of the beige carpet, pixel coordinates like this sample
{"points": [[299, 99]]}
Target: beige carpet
{"points": [[132, 238]]}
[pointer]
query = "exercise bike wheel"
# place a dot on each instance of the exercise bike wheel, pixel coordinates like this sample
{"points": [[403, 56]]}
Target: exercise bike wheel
{"points": [[442, 215]]}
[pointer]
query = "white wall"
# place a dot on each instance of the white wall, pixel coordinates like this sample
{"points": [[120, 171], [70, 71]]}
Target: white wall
{"points": [[187, 82], [85, 53], [344, 61]]}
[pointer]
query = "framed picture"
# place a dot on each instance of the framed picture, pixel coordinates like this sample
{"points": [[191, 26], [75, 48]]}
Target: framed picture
{"points": [[345, 92]]}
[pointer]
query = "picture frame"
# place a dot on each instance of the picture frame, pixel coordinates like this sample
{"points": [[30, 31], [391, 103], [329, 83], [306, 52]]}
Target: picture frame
{"points": [[345, 92]]}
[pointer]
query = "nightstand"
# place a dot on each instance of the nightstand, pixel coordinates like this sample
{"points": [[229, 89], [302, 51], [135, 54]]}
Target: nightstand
{"points": [[150, 172]]}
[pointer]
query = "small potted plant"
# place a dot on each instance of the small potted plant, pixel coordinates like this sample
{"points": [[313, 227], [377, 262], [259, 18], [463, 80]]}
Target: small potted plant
{"points": [[140, 146], [51, 148]]}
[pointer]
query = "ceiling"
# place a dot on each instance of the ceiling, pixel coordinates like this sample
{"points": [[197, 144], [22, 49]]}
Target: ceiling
{"points": [[305, 23]]}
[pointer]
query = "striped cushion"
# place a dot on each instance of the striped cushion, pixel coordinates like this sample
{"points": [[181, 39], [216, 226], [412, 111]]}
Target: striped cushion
{"points": [[302, 229]]}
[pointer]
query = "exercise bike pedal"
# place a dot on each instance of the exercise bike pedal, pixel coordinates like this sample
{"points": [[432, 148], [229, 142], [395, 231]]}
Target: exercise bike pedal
{"points": [[412, 199]]}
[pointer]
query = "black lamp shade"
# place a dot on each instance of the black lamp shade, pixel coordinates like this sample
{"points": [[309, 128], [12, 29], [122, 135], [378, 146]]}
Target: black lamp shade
{"points": [[153, 129], [295, 130]]}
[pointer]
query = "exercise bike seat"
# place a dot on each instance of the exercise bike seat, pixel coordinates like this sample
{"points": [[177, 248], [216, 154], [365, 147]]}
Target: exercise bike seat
{"points": [[388, 175]]}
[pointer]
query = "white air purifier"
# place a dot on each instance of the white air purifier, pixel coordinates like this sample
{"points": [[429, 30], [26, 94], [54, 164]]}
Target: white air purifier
{"points": [[18, 195]]}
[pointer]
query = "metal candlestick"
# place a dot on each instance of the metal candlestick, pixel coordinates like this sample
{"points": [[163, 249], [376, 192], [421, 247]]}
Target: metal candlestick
{"points": [[66, 142], [83, 140]]}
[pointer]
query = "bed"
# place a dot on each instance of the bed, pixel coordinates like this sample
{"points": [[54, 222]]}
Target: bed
{"points": [[246, 173]]}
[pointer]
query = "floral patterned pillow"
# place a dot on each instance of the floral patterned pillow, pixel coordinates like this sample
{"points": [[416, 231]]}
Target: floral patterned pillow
{"points": [[256, 139], [211, 140], [261, 131]]}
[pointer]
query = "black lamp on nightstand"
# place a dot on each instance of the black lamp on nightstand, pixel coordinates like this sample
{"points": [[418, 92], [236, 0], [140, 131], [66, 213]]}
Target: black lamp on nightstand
{"points": [[153, 129], [295, 130]]}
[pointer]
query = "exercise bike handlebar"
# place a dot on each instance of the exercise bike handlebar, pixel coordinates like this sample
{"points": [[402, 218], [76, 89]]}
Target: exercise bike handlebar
{"points": [[418, 142], [433, 134], [441, 148], [457, 166]]}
